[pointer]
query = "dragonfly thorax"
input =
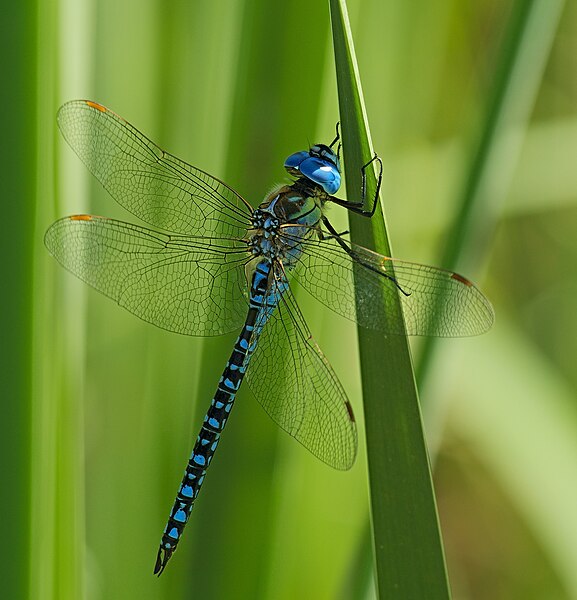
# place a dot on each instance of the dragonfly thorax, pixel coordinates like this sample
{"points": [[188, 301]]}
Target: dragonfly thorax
{"points": [[287, 216], [264, 241], [265, 220]]}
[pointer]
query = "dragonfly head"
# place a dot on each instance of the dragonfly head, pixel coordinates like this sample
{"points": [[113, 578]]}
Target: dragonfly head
{"points": [[319, 164]]}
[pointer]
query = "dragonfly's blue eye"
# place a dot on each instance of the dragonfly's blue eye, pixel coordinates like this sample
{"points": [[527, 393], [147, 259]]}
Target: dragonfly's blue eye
{"points": [[322, 172], [320, 165], [294, 161]]}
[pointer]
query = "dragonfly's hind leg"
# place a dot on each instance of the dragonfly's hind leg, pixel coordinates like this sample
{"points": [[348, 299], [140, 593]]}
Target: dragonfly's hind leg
{"points": [[355, 256], [330, 236]]}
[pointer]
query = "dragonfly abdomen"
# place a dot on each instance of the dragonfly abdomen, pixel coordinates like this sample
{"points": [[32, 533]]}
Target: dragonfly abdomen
{"points": [[217, 414]]}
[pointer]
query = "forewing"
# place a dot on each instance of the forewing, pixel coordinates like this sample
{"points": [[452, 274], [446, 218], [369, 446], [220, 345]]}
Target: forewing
{"points": [[179, 283], [294, 383], [434, 301], [152, 184]]}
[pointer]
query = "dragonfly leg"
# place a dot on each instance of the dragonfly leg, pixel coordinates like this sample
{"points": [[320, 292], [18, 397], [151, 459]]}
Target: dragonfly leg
{"points": [[337, 137], [357, 207], [330, 236], [356, 257]]}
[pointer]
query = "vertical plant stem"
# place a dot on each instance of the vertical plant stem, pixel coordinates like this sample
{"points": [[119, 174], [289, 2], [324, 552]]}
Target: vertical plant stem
{"points": [[409, 556], [17, 156]]}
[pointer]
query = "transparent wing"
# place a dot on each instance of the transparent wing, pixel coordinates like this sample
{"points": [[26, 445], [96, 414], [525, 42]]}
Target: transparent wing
{"points": [[152, 184], [435, 301], [193, 286], [294, 383]]}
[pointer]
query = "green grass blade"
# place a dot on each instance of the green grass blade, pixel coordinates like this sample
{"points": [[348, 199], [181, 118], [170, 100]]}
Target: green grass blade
{"points": [[408, 550], [17, 156]]}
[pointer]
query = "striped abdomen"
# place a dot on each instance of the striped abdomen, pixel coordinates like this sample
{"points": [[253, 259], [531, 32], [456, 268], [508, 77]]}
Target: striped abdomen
{"points": [[261, 307]]}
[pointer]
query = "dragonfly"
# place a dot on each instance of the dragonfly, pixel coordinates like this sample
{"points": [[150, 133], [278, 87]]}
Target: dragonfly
{"points": [[213, 264]]}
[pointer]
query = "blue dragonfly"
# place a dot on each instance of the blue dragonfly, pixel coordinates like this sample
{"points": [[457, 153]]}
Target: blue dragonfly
{"points": [[213, 264]]}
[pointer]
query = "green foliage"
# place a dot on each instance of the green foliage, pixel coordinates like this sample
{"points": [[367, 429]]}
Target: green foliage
{"points": [[101, 409], [17, 157]]}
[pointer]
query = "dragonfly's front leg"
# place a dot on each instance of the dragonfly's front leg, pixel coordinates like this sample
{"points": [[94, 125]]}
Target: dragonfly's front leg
{"points": [[357, 207]]}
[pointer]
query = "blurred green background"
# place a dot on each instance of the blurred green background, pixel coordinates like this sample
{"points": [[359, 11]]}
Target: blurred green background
{"points": [[100, 410]]}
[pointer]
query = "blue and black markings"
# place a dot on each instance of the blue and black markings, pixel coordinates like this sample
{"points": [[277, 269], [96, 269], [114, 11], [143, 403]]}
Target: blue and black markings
{"points": [[217, 414], [262, 303]]}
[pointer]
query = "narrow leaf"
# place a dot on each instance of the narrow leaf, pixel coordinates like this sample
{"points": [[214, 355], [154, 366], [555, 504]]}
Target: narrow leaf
{"points": [[408, 550]]}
